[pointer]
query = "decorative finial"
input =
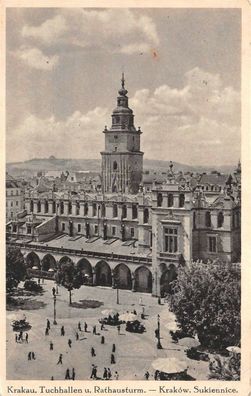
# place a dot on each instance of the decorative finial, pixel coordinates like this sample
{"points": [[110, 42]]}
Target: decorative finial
{"points": [[123, 80]]}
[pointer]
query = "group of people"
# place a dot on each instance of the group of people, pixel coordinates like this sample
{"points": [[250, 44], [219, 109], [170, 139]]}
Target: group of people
{"points": [[107, 374], [20, 337]]}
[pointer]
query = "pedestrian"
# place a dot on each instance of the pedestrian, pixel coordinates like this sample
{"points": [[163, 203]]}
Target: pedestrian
{"points": [[46, 331], [79, 326], [33, 355], [26, 338], [51, 346], [156, 375], [69, 342], [67, 374], [73, 374], [105, 374], [77, 336], [135, 312], [147, 375], [109, 373], [20, 337], [113, 347], [159, 300], [52, 378], [102, 326], [112, 359], [60, 359], [94, 330], [53, 291], [140, 301], [29, 356], [102, 340], [94, 372], [85, 325], [62, 331], [48, 324], [16, 337], [116, 375], [93, 352], [118, 327]]}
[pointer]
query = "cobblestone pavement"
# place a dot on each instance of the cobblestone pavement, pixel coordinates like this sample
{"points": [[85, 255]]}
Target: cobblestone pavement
{"points": [[134, 352]]}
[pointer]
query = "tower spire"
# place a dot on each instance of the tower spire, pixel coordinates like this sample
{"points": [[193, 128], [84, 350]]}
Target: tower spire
{"points": [[123, 80]]}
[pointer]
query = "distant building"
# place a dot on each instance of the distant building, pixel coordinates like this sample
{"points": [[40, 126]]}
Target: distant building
{"points": [[14, 197], [123, 235]]}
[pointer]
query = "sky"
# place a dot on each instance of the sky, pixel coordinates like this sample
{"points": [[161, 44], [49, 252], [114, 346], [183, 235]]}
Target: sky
{"points": [[182, 69]]}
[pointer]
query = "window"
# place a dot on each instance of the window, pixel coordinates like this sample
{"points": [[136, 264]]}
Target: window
{"points": [[113, 230], [115, 210], [46, 207], [134, 212], [31, 206], [94, 209], [212, 246], [28, 229], [124, 212], [220, 220], [146, 216], [181, 200], [85, 209], [159, 199], [115, 165], [11, 214], [11, 193], [11, 204], [103, 211], [150, 238], [61, 207], [63, 226], [208, 219], [79, 227], [70, 208], [14, 229], [16, 203], [77, 208], [96, 229], [170, 200], [132, 232], [38, 206], [171, 240], [53, 207]]}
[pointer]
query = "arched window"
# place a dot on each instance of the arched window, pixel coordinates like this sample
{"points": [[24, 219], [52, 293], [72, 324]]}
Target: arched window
{"points": [[194, 220], [181, 200], [77, 208], [115, 165], [103, 211], [94, 209], [38, 206], [70, 208], [124, 212], [46, 207], [85, 209], [146, 216], [170, 200], [208, 219], [115, 210], [159, 199], [134, 212], [31, 206], [53, 207], [220, 220], [61, 207]]}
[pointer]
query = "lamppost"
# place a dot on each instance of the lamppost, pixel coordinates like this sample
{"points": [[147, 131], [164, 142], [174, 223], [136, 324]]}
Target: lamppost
{"points": [[159, 346], [54, 312]]}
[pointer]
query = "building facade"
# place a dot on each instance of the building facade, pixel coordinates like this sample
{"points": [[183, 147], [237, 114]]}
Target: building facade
{"points": [[122, 235]]}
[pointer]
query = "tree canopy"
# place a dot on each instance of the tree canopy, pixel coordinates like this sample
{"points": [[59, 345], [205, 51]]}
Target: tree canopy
{"points": [[69, 277], [15, 268], [207, 300]]}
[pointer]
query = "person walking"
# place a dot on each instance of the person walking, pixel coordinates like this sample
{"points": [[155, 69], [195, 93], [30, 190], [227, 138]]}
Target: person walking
{"points": [[112, 359], [102, 326], [60, 359], [16, 337], [29, 356], [140, 301], [53, 291], [93, 352], [67, 374], [113, 348], [62, 331], [102, 340], [26, 338], [73, 374], [94, 330], [69, 342], [48, 324], [47, 331], [20, 337], [116, 375], [85, 326], [118, 327], [79, 326], [77, 336], [109, 373], [51, 346], [33, 355], [52, 378], [156, 375], [94, 372], [105, 374], [147, 375]]}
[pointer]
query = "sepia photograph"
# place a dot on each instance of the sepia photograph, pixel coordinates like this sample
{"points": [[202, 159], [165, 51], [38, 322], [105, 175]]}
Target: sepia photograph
{"points": [[123, 194]]}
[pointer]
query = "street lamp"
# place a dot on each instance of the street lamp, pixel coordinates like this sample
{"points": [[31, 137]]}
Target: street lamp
{"points": [[54, 311], [159, 346]]}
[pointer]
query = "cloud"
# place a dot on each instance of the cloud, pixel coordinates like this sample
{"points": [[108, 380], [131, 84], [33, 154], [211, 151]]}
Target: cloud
{"points": [[36, 59], [114, 30], [78, 136], [196, 124]]}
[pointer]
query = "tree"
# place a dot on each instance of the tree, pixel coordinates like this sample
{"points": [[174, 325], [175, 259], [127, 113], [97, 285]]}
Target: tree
{"points": [[15, 268], [69, 277], [206, 301]]}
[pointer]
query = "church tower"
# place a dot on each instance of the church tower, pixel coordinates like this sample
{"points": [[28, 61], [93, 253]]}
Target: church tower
{"points": [[122, 160]]}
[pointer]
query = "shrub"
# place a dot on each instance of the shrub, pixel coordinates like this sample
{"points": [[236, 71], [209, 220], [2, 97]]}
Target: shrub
{"points": [[32, 286]]}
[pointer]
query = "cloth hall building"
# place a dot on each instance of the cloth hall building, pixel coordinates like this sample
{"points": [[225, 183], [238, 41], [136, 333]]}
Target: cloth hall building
{"points": [[122, 235]]}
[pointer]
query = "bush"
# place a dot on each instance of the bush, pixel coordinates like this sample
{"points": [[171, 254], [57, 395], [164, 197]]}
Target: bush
{"points": [[15, 268], [32, 286], [225, 369], [206, 301]]}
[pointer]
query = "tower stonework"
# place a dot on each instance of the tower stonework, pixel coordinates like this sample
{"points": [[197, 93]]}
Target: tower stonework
{"points": [[122, 160]]}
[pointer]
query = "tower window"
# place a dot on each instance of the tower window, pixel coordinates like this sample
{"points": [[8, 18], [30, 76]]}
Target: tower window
{"points": [[208, 219], [212, 245], [146, 216], [115, 165], [115, 210], [171, 240], [170, 200], [220, 220]]}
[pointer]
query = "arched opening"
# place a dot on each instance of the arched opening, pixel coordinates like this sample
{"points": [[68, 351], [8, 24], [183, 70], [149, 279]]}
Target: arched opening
{"points": [[48, 262], [85, 267], [159, 199], [220, 220], [77, 208], [122, 277], [170, 200], [124, 211], [103, 274], [65, 260], [115, 166], [38, 206], [61, 207], [208, 219], [70, 208], [85, 209], [32, 260], [115, 210], [146, 216], [94, 209], [167, 277], [46, 207], [134, 211], [103, 210], [31, 206], [181, 200], [143, 280], [53, 207]]}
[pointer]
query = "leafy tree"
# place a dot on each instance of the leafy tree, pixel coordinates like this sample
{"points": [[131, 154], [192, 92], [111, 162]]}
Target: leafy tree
{"points": [[15, 268], [206, 301], [32, 286], [69, 277]]}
